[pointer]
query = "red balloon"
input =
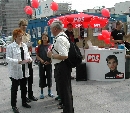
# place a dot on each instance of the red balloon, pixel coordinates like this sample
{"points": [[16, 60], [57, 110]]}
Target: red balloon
{"points": [[35, 3], [109, 33], [105, 34], [112, 44], [105, 12], [100, 37], [26, 7], [29, 10], [107, 40], [54, 6]]}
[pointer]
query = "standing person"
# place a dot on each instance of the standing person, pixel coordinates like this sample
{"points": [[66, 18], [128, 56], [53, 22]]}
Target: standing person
{"points": [[70, 34], [44, 65], [58, 54], [18, 57], [117, 34], [26, 38]]}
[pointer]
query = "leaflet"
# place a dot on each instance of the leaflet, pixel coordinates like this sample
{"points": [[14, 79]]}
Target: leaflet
{"points": [[29, 44], [25, 61]]}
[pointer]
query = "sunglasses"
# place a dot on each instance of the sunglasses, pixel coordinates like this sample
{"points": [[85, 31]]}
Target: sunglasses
{"points": [[24, 25]]}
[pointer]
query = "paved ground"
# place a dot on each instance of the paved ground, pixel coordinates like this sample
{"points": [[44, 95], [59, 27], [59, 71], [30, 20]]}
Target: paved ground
{"points": [[89, 96]]}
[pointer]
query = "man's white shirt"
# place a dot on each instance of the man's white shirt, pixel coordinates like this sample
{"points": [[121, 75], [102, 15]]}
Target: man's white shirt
{"points": [[61, 45]]}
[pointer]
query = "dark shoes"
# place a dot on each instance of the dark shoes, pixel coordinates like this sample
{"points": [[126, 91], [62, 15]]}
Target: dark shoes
{"points": [[28, 100], [26, 105], [58, 98], [33, 98], [72, 78], [60, 105], [15, 110]]}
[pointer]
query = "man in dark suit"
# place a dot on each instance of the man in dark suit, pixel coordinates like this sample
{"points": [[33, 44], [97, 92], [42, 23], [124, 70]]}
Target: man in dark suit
{"points": [[70, 34]]}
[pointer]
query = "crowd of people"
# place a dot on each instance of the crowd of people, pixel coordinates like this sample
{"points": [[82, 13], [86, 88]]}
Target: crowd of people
{"points": [[18, 56]]}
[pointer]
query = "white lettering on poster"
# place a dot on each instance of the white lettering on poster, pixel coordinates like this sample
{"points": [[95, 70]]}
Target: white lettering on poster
{"points": [[120, 75], [93, 58], [79, 19], [96, 25]]}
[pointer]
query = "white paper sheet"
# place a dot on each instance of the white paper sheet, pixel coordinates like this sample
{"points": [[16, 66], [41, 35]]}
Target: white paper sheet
{"points": [[25, 61], [82, 51], [29, 44], [89, 43]]}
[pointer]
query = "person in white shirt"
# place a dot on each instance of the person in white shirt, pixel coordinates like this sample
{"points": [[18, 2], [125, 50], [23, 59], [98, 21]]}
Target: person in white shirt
{"points": [[18, 57], [59, 54]]}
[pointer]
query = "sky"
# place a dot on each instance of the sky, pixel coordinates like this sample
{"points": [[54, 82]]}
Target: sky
{"points": [[81, 5]]}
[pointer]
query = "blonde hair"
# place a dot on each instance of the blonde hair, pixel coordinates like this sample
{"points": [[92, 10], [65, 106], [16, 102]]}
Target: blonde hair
{"points": [[22, 21]]}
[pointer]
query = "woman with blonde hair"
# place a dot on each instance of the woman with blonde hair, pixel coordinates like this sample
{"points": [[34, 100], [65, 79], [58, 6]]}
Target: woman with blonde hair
{"points": [[26, 38]]}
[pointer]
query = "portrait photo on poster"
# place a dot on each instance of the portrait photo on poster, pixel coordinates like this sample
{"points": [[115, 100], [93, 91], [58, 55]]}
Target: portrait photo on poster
{"points": [[128, 28], [112, 63], [46, 29], [39, 31], [86, 32], [111, 26], [33, 33], [97, 31]]}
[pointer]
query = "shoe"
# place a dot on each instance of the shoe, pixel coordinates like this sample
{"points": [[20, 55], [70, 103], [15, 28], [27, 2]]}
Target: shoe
{"points": [[60, 103], [57, 98], [33, 98], [41, 96], [15, 110], [72, 78], [50, 95], [28, 100], [26, 105], [60, 107]]}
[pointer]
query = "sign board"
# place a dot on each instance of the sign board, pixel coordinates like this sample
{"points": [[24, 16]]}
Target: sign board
{"points": [[105, 65], [110, 26], [97, 31], [44, 9]]}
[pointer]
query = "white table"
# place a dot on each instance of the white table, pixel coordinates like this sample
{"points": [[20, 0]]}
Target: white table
{"points": [[97, 67]]}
